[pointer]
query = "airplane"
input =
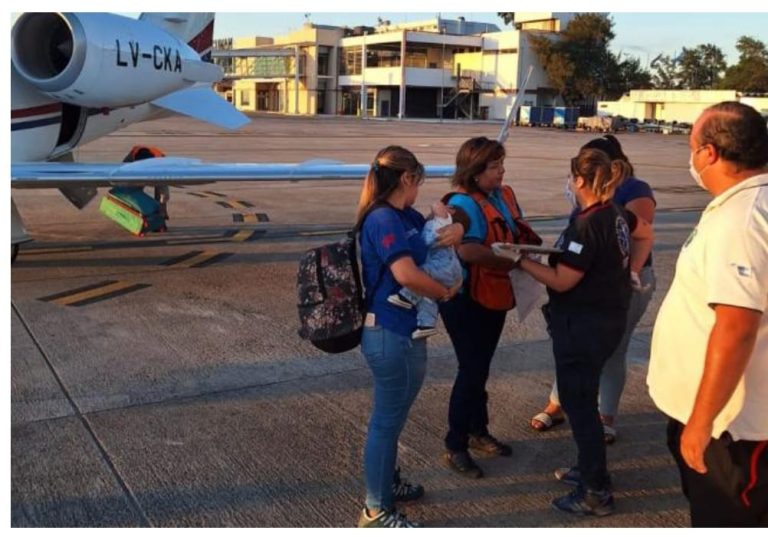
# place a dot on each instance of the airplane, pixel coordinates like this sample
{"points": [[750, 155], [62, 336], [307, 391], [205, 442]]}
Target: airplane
{"points": [[76, 77]]}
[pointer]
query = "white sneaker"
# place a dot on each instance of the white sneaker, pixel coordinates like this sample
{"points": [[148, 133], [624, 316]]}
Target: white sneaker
{"points": [[398, 300], [423, 331], [385, 519]]}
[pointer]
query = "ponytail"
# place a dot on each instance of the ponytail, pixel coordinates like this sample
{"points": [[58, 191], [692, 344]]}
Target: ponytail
{"points": [[619, 170], [384, 177], [601, 174], [367, 196], [610, 145]]}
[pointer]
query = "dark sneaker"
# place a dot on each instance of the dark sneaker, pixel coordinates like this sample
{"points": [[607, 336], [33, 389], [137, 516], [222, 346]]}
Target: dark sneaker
{"points": [[488, 446], [586, 502], [569, 476], [385, 519], [461, 463], [403, 491], [423, 331], [399, 300]]}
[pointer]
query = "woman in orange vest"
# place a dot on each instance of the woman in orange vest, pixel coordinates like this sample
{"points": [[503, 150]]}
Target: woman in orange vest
{"points": [[475, 318]]}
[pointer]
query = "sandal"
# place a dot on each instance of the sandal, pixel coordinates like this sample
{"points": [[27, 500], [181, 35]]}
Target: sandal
{"points": [[547, 421], [609, 433]]}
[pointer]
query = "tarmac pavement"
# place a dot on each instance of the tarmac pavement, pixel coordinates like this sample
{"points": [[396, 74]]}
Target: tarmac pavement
{"points": [[191, 402]]}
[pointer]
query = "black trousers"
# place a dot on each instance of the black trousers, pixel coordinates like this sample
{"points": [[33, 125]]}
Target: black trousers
{"points": [[734, 491], [581, 344], [474, 332]]}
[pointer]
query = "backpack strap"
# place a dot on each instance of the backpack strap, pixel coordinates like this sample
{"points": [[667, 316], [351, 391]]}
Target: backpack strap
{"points": [[354, 235]]}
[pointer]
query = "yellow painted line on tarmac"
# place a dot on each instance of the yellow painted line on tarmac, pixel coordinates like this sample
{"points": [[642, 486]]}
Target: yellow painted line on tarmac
{"points": [[41, 251], [199, 257], [321, 233], [240, 218], [207, 194], [93, 293], [243, 235], [196, 241]]}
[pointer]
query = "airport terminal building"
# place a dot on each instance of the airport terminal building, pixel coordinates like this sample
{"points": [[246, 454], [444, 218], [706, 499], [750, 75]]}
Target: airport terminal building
{"points": [[431, 69]]}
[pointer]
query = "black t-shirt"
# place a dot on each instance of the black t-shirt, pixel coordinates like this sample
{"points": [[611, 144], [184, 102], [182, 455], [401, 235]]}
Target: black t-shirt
{"points": [[596, 242]]}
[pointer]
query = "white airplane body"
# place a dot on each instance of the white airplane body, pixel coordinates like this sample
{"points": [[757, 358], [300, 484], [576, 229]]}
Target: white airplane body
{"points": [[108, 72], [76, 77]]}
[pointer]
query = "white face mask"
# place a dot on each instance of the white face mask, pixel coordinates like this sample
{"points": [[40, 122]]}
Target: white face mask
{"points": [[570, 195], [696, 175]]}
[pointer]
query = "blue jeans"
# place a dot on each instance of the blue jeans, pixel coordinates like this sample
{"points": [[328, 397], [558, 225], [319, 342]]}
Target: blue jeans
{"points": [[398, 364], [614, 373]]}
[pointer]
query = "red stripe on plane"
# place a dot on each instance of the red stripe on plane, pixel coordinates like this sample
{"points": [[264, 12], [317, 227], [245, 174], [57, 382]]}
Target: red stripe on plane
{"points": [[204, 40], [36, 110]]}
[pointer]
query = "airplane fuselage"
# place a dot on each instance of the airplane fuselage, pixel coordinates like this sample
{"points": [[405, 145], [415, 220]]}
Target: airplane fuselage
{"points": [[77, 77], [44, 129]]}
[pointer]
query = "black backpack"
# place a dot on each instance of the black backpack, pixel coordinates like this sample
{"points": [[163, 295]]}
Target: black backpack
{"points": [[331, 304]]}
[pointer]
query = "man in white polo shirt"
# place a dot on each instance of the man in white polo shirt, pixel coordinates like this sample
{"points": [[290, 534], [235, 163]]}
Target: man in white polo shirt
{"points": [[709, 354]]}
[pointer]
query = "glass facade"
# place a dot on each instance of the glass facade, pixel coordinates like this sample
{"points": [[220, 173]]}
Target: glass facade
{"points": [[323, 60], [388, 55], [383, 56], [269, 66], [351, 61]]}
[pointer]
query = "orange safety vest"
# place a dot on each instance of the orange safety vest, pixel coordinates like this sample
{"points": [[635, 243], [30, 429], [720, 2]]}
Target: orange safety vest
{"points": [[490, 287]]}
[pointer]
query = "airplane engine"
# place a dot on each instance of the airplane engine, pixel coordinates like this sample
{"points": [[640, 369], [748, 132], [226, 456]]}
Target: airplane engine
{"points": [[100, 60]]}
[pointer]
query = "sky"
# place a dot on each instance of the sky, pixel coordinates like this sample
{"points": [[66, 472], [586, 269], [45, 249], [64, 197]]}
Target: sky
{"points": [[643, 35]]}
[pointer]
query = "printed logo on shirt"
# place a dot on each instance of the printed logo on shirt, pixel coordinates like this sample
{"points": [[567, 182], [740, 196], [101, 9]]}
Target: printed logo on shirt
{"points": [[744, 272], [622, 235], [575, 247], [388, 240], [411, 232]]}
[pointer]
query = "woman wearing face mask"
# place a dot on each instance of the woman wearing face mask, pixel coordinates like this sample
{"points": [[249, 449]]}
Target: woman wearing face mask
{"points": [[636, 196], [589, 294]]}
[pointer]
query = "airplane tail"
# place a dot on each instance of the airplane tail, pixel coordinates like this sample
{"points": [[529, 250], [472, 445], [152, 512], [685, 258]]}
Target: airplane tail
{"points": [[198, 101], [195, 29]]}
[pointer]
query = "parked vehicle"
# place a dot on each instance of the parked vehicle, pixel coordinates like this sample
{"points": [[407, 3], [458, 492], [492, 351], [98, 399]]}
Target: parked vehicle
{"points": [[600, 124], [548, 116]]}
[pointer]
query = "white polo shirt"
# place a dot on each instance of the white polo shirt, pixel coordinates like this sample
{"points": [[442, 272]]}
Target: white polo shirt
{"points": [[724, 261]]}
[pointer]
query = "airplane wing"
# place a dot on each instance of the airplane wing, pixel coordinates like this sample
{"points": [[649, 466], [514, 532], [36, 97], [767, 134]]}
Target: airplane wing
{"points": [[203, 104], [178, 170]]}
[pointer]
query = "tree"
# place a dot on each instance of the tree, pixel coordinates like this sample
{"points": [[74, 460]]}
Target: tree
{"points": [[628, 74], [508, 18], [701, 67], [750, 74], [578, 64], [666, 73]]}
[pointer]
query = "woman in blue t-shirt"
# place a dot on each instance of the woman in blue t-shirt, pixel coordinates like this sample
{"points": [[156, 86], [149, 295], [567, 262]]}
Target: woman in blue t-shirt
{"points": [[475, 319], [636, 196], [391, 250]]}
